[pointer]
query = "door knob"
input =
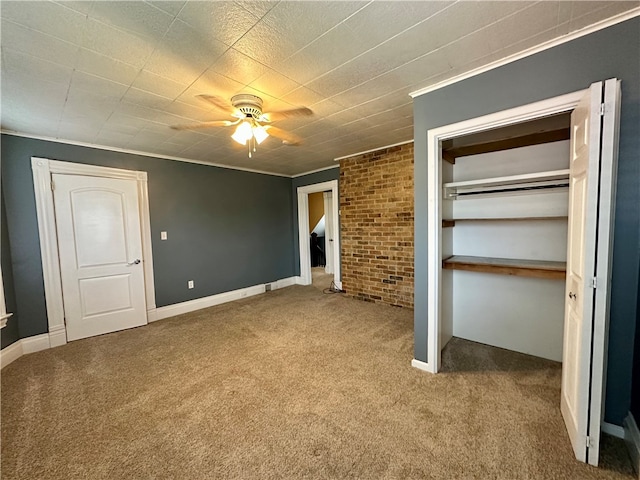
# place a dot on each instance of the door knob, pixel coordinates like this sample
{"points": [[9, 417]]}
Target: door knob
{"points": [[135, 262]]}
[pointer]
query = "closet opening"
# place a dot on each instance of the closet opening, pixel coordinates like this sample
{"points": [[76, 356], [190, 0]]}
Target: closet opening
{"points": [[504, 236]]}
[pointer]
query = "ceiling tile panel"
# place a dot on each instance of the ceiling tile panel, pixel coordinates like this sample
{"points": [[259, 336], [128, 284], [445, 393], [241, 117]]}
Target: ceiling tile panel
{"points": [[324, 54], [140, 18], [16, 63], [123, 46], [584, 15], [258, 8], [171, 7], [150, 82], [274, 84], [184, 53], [225, 21], [91, 83], [80, 6], [239, 67], [380, 21], [38, 44], [538, 18], [289, 26], [106, 67], [47, 17]]}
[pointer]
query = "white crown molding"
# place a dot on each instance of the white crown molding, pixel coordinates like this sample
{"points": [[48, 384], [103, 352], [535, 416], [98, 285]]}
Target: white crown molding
{"points": [[218, 299], [530, 51], [136, 152], [314, 171], [372, 150]]}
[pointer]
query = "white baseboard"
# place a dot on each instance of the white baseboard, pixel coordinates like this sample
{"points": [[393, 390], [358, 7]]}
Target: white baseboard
{"points": [[206, 302], [632, 439], [58, 337], [22, 347], [152, 315], [611, 429], [298, 280], [285, 282], [10, 354], [420, 365]]}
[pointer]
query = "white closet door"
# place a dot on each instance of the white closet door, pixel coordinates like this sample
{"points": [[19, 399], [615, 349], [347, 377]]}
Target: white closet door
{"points": [[582, 385], [98, 226]]}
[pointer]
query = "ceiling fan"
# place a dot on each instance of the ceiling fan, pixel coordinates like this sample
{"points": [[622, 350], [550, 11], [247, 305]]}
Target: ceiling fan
{"points": [[253, 125]]}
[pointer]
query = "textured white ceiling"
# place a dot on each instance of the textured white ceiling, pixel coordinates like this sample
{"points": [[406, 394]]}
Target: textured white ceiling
{"points": [[117, 74]]}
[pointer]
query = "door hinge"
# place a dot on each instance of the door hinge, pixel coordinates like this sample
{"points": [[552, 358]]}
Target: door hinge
{"points": [[588, 442], [594, 283], [601, 109], [53, 187]]}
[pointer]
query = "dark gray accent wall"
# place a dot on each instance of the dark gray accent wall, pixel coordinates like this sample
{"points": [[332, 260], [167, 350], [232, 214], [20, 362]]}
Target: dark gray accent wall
{"points": [[9, 333], [635, 383], [227, 229], [573, 66], [311, 179]]}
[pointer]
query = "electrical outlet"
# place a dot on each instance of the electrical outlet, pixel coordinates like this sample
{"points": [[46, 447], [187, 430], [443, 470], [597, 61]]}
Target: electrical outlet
{"points": [[163, 235], [190, 284]]}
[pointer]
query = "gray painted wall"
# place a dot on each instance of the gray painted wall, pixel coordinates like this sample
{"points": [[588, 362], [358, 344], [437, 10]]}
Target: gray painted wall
{"points": [[10, 331], [635, 384], [573, 66], [311, 179], [227, 229]]}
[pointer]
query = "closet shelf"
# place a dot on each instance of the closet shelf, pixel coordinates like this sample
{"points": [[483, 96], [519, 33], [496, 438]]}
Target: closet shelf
{"points": [[548, 179], [450, 222], [507, 266]]}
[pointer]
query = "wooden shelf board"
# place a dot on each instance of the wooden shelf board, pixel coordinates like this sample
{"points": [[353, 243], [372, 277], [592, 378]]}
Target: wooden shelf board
{"points": [[507, 143], [506, 266]]}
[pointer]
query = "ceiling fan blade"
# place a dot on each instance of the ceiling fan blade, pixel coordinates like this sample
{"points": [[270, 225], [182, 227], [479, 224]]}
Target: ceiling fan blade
{"points": [[219, 103], [214, 123], [282, 114], [287, 138]]}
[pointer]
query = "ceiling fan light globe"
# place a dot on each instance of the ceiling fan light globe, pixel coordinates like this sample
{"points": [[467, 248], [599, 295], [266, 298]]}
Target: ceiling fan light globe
{"points": [[260, 134], [243, 133]]}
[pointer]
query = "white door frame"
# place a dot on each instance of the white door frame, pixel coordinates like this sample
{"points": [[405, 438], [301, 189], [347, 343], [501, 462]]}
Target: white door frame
{"points": [[42, 170], [303, 230], [563, 103], [329, 229]]}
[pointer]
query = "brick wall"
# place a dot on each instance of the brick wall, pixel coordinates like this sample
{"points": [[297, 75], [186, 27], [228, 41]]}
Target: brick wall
{"points": [[376, 224]]}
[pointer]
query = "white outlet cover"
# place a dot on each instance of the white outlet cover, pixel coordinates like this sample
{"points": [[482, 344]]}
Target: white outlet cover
{"points": [[163, 235], [190, 284]]}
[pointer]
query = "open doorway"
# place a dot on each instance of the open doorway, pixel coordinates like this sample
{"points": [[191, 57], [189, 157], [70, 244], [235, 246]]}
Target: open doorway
{"points": [[318, 231]]}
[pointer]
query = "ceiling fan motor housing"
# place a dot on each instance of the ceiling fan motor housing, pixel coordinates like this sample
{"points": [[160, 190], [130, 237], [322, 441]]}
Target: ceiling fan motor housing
{"points": [[248, 104]]}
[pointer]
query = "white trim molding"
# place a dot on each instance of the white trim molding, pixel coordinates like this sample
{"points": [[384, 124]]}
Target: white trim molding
{"points": [[317, 170], [218, 299], [303, 229], [420, 365], [136, 152], [22, 347], [632, 439], [613, 430], [531, 51], [42, 169]]}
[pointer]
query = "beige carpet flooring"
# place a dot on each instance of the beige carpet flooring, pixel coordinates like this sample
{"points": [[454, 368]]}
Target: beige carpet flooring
{"points": [[290, 384]]}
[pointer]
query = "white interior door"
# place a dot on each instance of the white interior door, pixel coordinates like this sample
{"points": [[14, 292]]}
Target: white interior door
{"points": [[582, 384], [100, 247], [328, 232]]}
